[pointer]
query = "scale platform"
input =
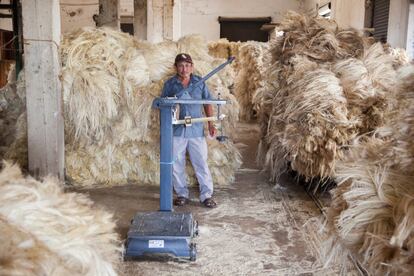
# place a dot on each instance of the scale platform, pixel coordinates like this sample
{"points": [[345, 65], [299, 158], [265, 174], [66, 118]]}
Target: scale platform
{"points": [[162, 233]]}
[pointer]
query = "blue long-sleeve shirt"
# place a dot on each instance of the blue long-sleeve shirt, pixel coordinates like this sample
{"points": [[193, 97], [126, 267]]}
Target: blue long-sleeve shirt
{"points": [[171, 88]]}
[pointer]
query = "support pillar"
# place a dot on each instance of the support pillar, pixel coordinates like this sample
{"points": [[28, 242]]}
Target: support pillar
{"points": [[41, 37], [163, 20], [140, 19], [398, 23]]}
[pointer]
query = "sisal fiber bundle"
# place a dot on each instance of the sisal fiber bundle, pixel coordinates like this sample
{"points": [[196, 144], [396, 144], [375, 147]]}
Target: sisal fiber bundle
{"points": [[111, 132], [45, 231], [223, 48], [250, 76], [250, 64], [326, 86], [372, 211]]}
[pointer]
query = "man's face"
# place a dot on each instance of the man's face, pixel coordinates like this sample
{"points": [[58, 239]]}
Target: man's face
{"points": [[184, 69]]}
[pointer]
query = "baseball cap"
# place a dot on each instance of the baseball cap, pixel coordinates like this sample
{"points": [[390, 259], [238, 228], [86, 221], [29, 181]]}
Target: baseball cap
{"points": [[183, 57]]}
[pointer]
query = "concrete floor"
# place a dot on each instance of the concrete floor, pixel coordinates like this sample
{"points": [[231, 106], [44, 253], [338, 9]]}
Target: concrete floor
{"points": [[257, 228]]}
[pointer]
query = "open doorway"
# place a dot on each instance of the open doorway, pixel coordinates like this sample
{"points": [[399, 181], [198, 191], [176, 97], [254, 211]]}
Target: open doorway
{"points": [[243, 29]]}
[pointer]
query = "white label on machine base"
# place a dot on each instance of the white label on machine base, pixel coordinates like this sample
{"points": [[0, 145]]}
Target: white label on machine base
{"points": [[155, 243]]}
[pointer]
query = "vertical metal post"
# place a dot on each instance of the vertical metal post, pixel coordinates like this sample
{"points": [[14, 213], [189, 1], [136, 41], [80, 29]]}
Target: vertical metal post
{"points": [[166, 157], [17, 32]]}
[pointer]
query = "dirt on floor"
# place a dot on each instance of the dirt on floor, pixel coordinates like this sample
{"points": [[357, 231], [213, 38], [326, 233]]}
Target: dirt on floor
{"points": [[258, 228]]}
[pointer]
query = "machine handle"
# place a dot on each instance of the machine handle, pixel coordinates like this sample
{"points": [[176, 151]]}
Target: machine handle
{"points": [[206, 77], [198, 120]]}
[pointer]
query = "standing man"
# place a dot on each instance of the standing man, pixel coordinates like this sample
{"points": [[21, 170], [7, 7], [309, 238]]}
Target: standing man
{"points": [[190, 138]]}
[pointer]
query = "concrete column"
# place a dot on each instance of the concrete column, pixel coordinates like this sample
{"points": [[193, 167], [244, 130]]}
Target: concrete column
{"points": [[140, 19], [108, 14], [164, 20], [369, 13], [349, 14], [398, 23], [168, 17], [155, 20], [41, 37], [176, 22]]}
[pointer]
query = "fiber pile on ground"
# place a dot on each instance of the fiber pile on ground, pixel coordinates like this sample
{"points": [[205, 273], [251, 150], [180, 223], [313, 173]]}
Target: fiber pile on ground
{"points": [[44, 231], [109, 82], [326, 86], [372, 212]]}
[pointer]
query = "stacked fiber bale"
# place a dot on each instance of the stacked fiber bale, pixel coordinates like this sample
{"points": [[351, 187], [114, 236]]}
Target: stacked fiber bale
{"points": [[329, 86], [400, 56], [111, 132], [223, 48], [372, 211], [44, 231], [249, 66], [250, 76]]}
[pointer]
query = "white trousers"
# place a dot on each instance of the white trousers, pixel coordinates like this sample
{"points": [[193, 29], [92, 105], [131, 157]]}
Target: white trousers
{"points": [[197, 148]]}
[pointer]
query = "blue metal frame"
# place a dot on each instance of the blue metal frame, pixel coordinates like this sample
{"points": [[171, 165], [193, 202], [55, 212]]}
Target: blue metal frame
{"points": [[206, 77], [173, 230], [166, 106]]}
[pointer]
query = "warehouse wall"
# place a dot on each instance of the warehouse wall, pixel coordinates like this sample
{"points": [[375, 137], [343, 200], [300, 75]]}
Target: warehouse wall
{"points": [[197, 16], [310, 5], [201, 16], [410, 32], [398, 23], [77, 13], [349, 13], [6, 23]]}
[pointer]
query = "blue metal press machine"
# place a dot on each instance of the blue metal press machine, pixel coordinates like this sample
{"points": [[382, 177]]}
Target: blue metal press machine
{"points": [[165, 231]]}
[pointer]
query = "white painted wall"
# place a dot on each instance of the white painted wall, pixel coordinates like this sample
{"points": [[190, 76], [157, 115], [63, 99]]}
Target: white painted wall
{"points": [[195, 16], [410, 32], [201, 16], [6, 23], [398, 23], [77, 13], [310, 5], [126, 8], [347, 13]]}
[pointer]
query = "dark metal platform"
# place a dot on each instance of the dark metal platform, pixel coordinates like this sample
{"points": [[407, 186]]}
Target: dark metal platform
{"points": [[162, 233]]}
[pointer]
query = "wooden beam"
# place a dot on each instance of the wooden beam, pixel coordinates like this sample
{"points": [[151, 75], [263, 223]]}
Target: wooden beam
{"points": [[41, 37], [2, 15], [6, 6]]}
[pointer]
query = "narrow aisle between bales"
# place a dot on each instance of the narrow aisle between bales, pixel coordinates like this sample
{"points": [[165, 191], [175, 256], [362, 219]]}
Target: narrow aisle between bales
{"points": [[257, 228]]}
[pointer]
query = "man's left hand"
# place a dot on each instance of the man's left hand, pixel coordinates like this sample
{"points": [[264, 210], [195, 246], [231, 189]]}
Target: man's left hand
{"points": [[211, 129]]}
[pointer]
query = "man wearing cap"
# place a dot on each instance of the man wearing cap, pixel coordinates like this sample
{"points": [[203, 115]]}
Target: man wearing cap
{"points": [[190, 138]]}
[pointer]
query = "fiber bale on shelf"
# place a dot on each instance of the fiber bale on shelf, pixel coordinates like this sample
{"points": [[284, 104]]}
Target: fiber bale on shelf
{"points": [[46, 231], [223, 48], [372, 211]]}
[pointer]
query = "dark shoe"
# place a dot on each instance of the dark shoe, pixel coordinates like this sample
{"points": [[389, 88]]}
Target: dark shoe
{"points": [[180, 201], [209, 203]]}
